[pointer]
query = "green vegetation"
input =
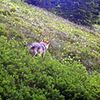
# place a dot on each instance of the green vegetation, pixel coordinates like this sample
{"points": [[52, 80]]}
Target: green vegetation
{"points": [[25, 77], [62, 73]]}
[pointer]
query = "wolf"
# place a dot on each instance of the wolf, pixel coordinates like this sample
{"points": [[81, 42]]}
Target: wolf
{"points": [[38, 48]]}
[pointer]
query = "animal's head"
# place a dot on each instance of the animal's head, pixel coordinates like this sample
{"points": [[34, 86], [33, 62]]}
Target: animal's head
{"points": [[47, 43]]}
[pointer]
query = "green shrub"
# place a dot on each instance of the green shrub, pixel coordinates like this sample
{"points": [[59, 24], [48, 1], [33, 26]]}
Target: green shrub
{"points": [[2, 29], [23, 77]]}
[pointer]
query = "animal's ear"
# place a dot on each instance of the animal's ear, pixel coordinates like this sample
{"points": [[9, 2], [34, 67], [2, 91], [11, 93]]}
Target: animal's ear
{"points": [[45, 41]]}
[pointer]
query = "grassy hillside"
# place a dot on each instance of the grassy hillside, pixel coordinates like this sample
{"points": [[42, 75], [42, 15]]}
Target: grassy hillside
{"points": [[62, 74]]}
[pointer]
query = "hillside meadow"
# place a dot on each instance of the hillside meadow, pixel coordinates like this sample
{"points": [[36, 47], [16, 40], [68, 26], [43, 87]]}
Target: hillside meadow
{"points": [[70, 69]]}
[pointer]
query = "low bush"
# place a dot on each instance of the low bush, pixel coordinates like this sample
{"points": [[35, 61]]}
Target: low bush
{"points": [[23, 77]]}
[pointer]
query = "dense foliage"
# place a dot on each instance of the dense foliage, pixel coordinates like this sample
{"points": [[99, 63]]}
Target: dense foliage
{"points": [[24, 77], [61, 74], [83, 12]]}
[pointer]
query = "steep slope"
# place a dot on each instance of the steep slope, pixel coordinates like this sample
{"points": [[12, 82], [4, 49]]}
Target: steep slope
{"points": [[66, 40], [62, 73], [82, 12]]}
